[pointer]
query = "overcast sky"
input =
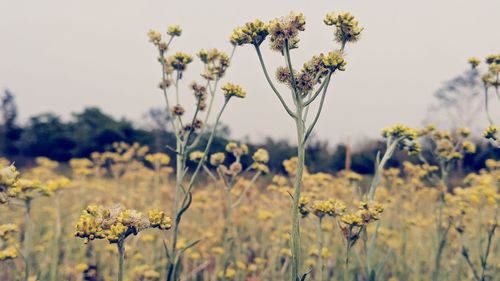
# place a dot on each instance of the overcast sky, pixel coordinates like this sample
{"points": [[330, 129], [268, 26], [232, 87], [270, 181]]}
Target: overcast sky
{"points": [[62, 56]]}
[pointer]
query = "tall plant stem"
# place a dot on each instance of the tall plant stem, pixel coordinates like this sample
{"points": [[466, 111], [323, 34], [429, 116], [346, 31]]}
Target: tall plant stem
{"points": [[27, 240], [57, 236], [320, 250], [182, 207], [296, 259], [121, 260]]}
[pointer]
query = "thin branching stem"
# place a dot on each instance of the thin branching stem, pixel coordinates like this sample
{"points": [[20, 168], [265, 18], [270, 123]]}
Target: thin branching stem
{"points": [[271, 84]]}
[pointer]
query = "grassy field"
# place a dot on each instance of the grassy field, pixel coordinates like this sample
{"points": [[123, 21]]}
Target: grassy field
{"points": [[242, 230]]}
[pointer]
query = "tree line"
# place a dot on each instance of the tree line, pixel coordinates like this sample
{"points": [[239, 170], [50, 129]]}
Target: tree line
{"points": [[90, 130]]}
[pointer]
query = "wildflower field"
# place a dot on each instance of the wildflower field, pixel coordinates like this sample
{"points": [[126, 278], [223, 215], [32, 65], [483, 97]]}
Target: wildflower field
{"points": [[192, 213]]}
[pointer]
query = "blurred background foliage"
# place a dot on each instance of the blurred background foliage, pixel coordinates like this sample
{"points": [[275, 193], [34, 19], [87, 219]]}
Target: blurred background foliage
{"points": [[90, 130]]}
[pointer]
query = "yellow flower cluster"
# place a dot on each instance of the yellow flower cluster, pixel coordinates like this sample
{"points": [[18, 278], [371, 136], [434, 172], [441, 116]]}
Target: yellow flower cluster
{"points": [[491, 132], [261, 156], [217, 159], [334, 60], [9, 178], [347, 28], [145, 273], [474, 62], [330, 207], [158, 159], [365, 214], [8, 249], [237, 150], [286, 29], [251, 33], [174, 30], [55, 185], [231, 90], [404, 136], [116, 224], [154, 37], [158, 219], [81, 166], [196, 156], [491, 78], [399, 131], [216, 63], [179, 61]]}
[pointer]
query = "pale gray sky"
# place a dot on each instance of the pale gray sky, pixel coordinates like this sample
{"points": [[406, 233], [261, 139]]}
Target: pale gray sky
{"points": [[64, 55]]}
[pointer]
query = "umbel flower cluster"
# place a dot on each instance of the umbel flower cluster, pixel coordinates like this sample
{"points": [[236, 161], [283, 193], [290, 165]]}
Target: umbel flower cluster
{"points": [[188, 132], [260, 158], [9, 180], [115, 224], [305, 85], [404, 136], [8, 245], [491, 81]]}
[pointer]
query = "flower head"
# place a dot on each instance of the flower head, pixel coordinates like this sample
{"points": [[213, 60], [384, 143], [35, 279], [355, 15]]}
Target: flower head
{"points": [[334, 60], [9, 178], [261, 156], [217, 159], [474, 62], [174, 30], [231, 90], [154, 37], [491, 132], [179, 61], [347, 28], [251, 33], [286, 30]]}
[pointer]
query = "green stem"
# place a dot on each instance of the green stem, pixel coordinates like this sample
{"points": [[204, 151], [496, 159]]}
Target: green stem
{"points": [[296, 259], [27, 240], [55, 245], [121, 260], [264, 69], [171, 264], [320, 250], [486, 107], [316, 118]]}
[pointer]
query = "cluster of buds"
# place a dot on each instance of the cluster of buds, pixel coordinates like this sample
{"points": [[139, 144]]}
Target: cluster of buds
{"points": [[156, 38], [145, 273], [251, 33], [27, 190], [158, 219], [116, 224], [321, 208], [158, 159], [491, 133], [197, 156], [285, 30], [347, 28], [216, 63], [260, 158], [448, 146], [215, 66], [231, 90], [404, 136], [352, 223], [55, 185], [313, 72], [491, 78], [81, 166], [9, 179], [179, 62], [8, 248], [116, 161]]}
